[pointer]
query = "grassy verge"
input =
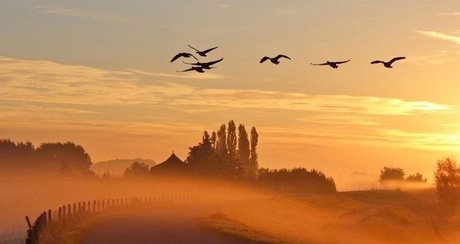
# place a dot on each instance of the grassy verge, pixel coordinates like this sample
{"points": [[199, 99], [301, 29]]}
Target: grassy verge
{"points": [[72, 230], [219, 223]]}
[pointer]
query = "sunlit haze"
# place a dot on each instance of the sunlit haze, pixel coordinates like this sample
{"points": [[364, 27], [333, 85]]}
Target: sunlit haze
{"points": [[98, 73]]}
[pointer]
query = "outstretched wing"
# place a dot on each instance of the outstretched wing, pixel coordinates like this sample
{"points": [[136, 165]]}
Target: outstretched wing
{"points": [[186, 70], [319, 64], [193, 48], [282, 56], [342, 62], [209, 50], [265, 58], [212, 62], [185, 55], [177, 56], [377, 62], [396, 59]]}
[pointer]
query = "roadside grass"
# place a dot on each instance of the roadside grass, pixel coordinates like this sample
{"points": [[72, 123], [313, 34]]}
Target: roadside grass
{"points": [[73, 229]]}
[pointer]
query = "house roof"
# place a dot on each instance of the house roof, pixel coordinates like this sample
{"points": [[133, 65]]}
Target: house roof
{"points": [[172, 163]]}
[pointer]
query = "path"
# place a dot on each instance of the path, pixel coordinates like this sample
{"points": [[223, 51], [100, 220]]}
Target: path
{"points": [[165, 223]]}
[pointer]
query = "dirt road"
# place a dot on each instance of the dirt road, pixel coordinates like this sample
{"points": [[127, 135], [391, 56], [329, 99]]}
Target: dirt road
{"points": [[165, 223]]}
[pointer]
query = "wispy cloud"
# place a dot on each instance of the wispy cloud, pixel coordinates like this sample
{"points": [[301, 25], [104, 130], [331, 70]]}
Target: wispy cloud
{"points": [[449, 13], [191, 76], [82, 13], [441, 36], [223, 5], [138, 102]]}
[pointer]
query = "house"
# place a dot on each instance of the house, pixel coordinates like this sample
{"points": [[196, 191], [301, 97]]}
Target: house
{"points": [[171, 165]]}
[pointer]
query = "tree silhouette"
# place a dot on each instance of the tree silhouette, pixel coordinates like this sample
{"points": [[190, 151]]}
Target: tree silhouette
{"points": [[231, 143], [63, 157], [391, 174], [253, 160], [243, 152], [447, 181], [137, 169], [221, 145], [416, 178], [296, 180], [16, 156], [202, 158]]}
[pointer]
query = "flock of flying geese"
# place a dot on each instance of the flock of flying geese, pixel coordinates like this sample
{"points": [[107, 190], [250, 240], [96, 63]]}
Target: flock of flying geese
{"points": [[202, 67]]}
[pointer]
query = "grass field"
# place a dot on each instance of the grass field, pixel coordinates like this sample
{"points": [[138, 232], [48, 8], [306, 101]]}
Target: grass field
{"points": [[347, 217]]}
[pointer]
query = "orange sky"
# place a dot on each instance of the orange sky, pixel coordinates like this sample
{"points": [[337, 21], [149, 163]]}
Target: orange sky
{"points": [[98, 73]]}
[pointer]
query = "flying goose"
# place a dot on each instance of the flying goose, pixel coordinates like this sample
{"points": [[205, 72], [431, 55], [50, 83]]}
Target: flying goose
{"points": [[204, 52], [198, 69], [334, 65], [205, 65], [389, 63], [185, 55], [275, 60]]}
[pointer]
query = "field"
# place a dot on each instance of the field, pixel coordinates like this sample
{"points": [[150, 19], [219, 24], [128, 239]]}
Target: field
{"points": [[244, 215]]}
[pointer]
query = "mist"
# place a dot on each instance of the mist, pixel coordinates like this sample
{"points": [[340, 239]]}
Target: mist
{"points": [[408, 214]]}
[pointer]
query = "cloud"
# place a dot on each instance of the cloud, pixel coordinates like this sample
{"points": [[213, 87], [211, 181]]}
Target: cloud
{"points": [[223, 5], [440, 36], [449, 13], [190, 76], [81, 13], [137, 102]]}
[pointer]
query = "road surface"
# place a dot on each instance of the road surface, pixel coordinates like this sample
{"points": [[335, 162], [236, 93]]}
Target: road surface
{"points": [[164, 223]]}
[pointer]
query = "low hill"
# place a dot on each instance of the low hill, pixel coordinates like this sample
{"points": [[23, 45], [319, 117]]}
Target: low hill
{"points": [[117, 167]]}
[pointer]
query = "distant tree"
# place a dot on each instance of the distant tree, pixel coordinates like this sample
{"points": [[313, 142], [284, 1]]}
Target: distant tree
{"points": [[137, 169], [231, 142], [63, 157], [416, 178], [253, 159], [296, 180], [221, 145], [202, 158], [16, 156], [391, 174], [447, 181], [243, 153], [214, 140]]}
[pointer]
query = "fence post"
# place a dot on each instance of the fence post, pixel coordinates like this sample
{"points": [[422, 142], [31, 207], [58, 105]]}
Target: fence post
{"points": [[63, 212], [49, 216]]}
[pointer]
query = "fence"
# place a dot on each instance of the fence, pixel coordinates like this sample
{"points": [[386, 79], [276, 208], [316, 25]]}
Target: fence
{"points": [[82, 209]]}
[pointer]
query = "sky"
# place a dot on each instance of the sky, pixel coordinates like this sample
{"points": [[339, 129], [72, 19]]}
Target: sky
{"points": [[98, 73]]}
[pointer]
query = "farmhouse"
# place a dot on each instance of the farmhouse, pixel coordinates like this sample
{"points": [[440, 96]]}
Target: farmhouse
{"points": [[171, 165]]}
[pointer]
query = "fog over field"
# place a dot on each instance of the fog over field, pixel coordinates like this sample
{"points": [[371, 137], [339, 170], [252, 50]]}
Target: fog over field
{"points": [[408, 216]]}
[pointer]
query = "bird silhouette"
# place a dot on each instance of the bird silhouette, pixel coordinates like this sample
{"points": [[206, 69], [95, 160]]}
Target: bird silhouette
{"points": [[185, 55], [334, 65], [275, 60], [206, 65], [204, 52], [198, 69], [389, 63]]}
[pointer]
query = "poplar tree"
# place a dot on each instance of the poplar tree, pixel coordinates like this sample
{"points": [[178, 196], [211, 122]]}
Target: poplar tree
{"points": [[253, 160], [231, 142], [243, 152], [221, 144]]}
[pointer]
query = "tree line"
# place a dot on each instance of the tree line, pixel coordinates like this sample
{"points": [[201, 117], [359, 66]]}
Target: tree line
{"points": [[47, 158]]}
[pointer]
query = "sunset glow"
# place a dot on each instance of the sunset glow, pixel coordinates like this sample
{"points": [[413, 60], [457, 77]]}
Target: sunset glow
{"points": [[98, 73]]}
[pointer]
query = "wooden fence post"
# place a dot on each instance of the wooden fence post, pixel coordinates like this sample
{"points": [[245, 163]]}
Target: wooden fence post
{"points": [[49, 216]]}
